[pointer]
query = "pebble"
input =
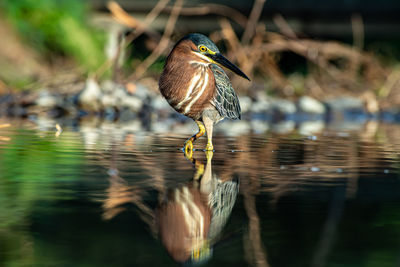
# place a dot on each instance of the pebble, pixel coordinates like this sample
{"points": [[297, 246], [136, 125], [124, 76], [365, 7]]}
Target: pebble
{"points": [[159, 103], [245, 103], [260, 112], [344, 103], [109, 100], [261, 105], [89, 98], [311, 127], [259, 126], [126, 115], [133, 103], [46, 100], [283, 127], [310, 105], [284, 106], [234, 128]]}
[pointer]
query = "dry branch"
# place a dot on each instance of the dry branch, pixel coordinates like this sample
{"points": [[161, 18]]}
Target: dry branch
{"points": [[208, 9], [284, 27], [348, 69], [124, 18], [252, 22], [163, 44]]}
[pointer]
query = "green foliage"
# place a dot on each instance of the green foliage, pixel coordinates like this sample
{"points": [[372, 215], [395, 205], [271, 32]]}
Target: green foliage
{"points": [[28, 173], [31, 170], [57, 26]]}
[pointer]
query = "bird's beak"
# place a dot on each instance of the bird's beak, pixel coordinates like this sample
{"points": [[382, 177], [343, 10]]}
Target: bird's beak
{"points": [[223, 61]]}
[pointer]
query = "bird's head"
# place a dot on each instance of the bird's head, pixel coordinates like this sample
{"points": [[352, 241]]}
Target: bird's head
{"points": [[207, 51]]}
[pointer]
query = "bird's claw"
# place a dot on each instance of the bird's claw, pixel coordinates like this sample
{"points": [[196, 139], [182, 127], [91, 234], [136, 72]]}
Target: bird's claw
{"points": [[188, 149]]}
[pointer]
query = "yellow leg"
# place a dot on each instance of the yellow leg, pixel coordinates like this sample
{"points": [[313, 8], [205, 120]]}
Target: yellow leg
{"points": [[199, 170], [209, 146], [209, 155], [188, 146], [209, 128], [198, 165]]}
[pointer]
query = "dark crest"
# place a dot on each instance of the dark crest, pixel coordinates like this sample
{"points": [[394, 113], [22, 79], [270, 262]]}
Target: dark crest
{"points": [[200, 39]]}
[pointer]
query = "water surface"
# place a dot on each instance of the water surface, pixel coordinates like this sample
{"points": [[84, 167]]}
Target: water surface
{"points": [[117, 197]]}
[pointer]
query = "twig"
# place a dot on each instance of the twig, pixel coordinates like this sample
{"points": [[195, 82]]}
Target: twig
{"points": [[247, 61], [164, 42], [357, 27], [254, 232], [221, 10], [124, 18], [284, 27], [389, 84], [251, 24], [229, 35], [153, 14]]}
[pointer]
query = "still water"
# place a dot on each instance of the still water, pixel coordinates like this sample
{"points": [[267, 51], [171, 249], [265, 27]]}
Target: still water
{"points": [[114, 197]]}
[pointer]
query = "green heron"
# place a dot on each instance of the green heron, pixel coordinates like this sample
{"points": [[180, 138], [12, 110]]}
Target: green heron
{"points": [[191, 216], [195, 85]]}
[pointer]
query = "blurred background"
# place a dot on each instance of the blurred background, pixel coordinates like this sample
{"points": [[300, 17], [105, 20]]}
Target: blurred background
{"points": [[289, 48]]}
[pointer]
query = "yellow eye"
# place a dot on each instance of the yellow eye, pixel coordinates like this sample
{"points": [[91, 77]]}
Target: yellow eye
{"points": [[202, 48]]}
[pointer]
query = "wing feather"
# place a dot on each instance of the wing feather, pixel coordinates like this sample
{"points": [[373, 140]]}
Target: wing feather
{"points": [[225, 100]]}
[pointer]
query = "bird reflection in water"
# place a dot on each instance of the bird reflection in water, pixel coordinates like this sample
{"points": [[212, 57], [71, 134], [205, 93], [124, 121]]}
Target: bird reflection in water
{"points": [[192, 216], [189, 217]]}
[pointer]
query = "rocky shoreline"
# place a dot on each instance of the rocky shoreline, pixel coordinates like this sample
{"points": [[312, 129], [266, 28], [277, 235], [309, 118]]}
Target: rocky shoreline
{"points": [[113, 102]]}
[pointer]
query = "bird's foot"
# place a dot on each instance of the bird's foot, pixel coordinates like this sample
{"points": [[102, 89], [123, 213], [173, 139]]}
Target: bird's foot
{"points": [[188, 149], [199, 171]]}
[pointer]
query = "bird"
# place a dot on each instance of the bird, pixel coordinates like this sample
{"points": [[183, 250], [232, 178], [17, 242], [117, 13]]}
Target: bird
{"points": [[191, 216], [195, 84]]}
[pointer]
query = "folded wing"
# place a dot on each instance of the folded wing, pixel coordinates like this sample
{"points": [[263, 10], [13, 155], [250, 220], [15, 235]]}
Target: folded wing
{"points": [[225, 100]]}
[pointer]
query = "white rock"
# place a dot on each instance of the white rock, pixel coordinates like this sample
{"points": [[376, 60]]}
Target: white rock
{"points": [[259, 127], [311, 105], [133, 126], [142, 91], [108, 86], [284, 106], [46, 100], [44, 123], [109, 100], [159, 103], [261, 105], [120, 92], [90, 96], [187, 128], [161, 127], [234, 128], [245, 103], [345, 103], [132, 102], [284, 127], [311, 127]]}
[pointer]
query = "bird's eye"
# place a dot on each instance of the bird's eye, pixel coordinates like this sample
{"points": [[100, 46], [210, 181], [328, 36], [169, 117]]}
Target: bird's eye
{"points": [[202, 48]]}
